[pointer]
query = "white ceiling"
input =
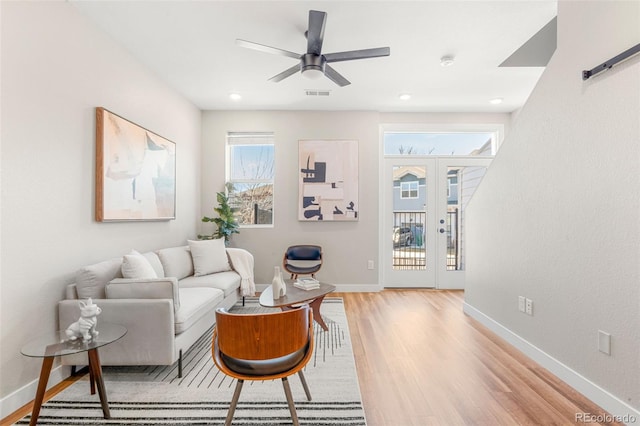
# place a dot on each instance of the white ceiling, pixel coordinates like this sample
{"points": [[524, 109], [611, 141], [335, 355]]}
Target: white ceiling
{"points": [[191, 46]]}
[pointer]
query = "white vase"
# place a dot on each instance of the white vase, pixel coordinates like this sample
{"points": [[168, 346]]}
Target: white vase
{"points": [[278, 285]]}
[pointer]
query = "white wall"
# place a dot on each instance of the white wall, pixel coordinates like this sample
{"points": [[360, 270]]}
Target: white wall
{"points": [[358, 239], [557, 218], [56, 68], [347, 245]]}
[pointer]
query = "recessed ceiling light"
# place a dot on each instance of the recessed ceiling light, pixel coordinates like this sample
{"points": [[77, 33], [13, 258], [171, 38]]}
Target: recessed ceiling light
{"points": [[496, 101], [235, 96], [405, 96], [446, 61]]}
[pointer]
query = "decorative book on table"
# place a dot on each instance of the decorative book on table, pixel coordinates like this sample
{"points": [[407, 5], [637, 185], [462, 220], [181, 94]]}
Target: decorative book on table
{"points": [[307, 283]]}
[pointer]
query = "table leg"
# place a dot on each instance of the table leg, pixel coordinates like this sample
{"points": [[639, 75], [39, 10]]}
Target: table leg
{"points": [[315, 307], [94, 365], [92, 380], [47, 362]]}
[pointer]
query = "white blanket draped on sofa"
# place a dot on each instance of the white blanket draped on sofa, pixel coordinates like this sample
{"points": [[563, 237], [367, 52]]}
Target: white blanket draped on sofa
{"points": [[242, 263]]}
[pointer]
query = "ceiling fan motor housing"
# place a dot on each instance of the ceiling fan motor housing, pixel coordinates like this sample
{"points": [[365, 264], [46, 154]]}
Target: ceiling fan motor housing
{"points": [[310, 61]]}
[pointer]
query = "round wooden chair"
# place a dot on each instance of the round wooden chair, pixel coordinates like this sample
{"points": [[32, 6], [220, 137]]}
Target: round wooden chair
{"points": [[263, 347]]}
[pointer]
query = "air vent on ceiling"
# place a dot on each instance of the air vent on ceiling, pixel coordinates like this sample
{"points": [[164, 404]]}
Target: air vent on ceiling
{"points": [[311, 92]]}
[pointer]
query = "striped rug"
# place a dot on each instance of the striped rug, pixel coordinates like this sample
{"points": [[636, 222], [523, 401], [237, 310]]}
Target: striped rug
{"points": [[156, 396]]}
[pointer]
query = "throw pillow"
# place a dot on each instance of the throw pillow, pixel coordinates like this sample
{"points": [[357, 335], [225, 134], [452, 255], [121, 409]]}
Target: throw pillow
{"points": [[135, 265], [176, 262], [209, 256], [90, 280]]}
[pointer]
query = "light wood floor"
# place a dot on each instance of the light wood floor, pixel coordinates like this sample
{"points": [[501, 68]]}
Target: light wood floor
{"points": [[421, 361]]}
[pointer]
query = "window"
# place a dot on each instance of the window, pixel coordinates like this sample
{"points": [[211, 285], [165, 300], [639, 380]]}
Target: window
{"points": [[409, 189], [250, 171], [439, 143], [452, 185]]}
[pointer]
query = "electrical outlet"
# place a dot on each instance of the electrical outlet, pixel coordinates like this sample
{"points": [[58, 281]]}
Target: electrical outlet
{"points": [[521, 303], [370, 264], [529, 306], [604, 342]]}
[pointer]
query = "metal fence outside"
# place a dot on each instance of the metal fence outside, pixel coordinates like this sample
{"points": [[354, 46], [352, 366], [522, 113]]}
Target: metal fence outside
{"points": [[409, 249]]}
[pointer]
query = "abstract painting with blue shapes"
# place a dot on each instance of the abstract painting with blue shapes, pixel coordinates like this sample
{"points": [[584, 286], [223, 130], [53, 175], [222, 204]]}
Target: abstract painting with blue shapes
{"points": [[328, 180]]}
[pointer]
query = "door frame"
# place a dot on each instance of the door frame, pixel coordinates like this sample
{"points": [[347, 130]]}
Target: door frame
{"points": [[496, 128]]}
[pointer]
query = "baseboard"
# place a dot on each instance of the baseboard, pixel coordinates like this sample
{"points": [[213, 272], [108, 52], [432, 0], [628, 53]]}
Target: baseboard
{"points": [[609, 402], [18, 399]]}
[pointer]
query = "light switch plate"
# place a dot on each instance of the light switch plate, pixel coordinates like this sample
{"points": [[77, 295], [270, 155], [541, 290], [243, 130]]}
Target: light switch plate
{"points": [[604, 342]]}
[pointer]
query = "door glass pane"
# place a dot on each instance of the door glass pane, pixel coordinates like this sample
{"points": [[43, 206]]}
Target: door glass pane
{"points": [[451, 144], [409, 218], [461, 184]]}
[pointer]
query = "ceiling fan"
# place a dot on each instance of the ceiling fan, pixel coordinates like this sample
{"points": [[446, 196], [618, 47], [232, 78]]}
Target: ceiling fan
{"points": [[313, 63]]}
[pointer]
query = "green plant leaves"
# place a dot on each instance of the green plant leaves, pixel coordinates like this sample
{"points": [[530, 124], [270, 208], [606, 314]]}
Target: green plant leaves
{"points": [[226, 222]]}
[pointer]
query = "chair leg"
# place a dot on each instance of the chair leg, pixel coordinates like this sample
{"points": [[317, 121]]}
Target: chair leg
{"points": [[234, 402], [304, 385], [292, 407]]}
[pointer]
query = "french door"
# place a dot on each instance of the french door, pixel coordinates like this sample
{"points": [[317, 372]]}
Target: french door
{"points": [[424, 204]]}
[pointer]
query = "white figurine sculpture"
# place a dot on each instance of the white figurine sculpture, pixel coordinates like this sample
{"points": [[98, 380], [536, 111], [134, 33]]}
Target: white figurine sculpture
{"points": [[85, 327]]}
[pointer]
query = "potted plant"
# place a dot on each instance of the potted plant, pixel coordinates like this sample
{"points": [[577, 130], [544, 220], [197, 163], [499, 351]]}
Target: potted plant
{"points": [[226, 222]]}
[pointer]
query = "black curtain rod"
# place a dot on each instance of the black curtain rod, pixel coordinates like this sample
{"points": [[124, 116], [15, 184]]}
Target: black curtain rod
{"points": [[611, 62]]}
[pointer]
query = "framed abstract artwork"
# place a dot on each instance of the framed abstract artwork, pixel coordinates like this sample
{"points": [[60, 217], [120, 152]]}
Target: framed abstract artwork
{"points": [[135, 172], [328, 180]]}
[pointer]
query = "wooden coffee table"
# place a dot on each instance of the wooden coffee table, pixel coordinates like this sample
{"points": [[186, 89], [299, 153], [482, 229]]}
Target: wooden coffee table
{"points": [[296, 296]]}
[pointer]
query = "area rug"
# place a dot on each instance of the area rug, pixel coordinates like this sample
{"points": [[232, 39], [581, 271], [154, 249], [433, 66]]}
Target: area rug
{"points": [[156, 396]]}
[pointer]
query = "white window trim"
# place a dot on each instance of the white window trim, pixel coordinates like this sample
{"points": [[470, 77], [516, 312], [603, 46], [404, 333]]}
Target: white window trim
{"points": [[250, 138], [497, 129]]}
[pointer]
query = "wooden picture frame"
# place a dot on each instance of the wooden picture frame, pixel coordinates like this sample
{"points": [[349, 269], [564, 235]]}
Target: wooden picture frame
{"points": [[328, 180], [135, 172]]}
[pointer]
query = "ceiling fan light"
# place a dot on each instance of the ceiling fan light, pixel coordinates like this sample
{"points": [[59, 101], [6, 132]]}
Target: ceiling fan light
{"points": [[312, 73]]}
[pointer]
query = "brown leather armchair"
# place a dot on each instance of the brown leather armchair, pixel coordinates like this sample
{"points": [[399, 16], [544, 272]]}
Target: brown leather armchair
{"points": [[263, 347]]}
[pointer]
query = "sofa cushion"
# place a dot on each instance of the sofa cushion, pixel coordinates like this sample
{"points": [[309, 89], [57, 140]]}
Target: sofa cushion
{"points": [[176, 262], [209, 256], [90, 280], [155, 263], [194, 304], [228, 282], [150, 288], [135, 265]]}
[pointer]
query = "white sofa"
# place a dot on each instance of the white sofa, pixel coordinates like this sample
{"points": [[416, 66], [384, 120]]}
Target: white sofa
{"points": [[166, 309]]}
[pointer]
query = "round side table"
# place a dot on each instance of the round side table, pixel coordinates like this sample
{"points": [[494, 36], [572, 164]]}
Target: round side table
{"points": [[56, 344]]}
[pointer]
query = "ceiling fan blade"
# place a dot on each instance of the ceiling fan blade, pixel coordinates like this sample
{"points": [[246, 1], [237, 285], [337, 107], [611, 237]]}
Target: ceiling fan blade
{"points": [[357, 54], [266, 49], [335, 76], [286, 73], [315, 33]]}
